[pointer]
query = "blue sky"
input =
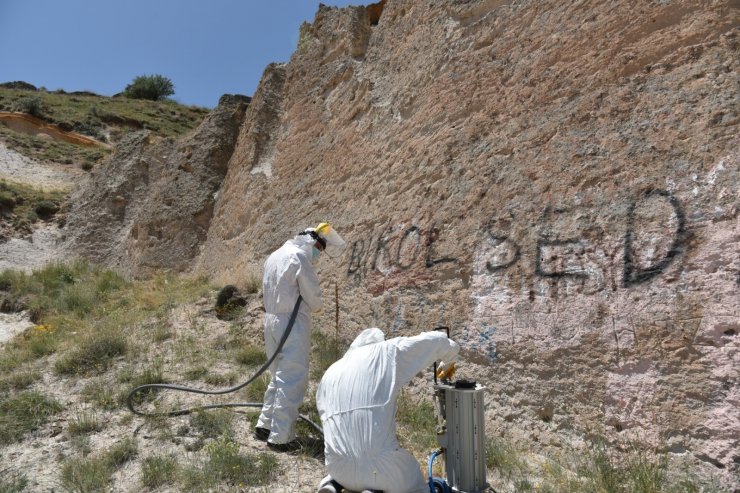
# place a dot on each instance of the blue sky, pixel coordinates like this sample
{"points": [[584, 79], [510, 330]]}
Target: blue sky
{"points": [[206, 47]]}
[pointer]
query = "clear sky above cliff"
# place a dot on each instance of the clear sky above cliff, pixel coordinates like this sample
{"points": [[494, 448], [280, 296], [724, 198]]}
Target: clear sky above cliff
{"points": [[206, 47]]}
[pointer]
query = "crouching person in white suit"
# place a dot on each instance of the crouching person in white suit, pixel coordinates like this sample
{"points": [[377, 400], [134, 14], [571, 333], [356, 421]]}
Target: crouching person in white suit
{"points": [[357, 402]]}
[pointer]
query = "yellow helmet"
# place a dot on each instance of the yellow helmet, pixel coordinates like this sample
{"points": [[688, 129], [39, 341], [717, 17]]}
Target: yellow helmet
{"points": [[335, 244]]}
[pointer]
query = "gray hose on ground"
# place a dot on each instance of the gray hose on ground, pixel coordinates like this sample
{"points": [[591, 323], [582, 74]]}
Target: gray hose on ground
{"points": [[180, 412]]}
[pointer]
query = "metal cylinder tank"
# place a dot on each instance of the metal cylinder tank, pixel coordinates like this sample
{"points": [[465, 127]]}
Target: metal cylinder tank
{"points": [[465, 453]]}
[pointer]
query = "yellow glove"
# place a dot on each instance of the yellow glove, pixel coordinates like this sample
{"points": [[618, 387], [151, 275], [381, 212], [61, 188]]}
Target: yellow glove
{"points": [[445, 371]]}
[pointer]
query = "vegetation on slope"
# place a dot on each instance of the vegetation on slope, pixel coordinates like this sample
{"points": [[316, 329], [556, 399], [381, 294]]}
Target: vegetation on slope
{"points": [[97, 336], [107, 119], [21, 206]]}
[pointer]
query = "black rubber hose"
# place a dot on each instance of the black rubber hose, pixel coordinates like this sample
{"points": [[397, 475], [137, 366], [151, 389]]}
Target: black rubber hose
{"points": [[180, 412]]}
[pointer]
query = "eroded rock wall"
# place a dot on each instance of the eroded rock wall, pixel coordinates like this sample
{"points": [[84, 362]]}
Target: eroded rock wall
{"points": [[555, 181], [150, 205]]}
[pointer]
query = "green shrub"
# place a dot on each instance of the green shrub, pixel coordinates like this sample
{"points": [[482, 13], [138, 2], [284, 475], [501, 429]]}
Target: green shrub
{"points": [[325, 350], [122, 452], [252, 285], [13, 358], [81, 444], [504, 459], [33, 343], [12, 482], [607, 469], [213, 424], [79, 299], [109, 281], [196, 373], [158, 471], [220, 379], [19, 380], [255, 391], [102, 394], [161, 333], [86, 475], [152, 87], [85, 421], [56, 275], [226, 463], [59, 289], [92, 127], [23, 413], [7, 201], [418, 423], [250, 355], [225, 295], [31, 105], [23, 205], [45, 209], [148, 376], [93, 354]]}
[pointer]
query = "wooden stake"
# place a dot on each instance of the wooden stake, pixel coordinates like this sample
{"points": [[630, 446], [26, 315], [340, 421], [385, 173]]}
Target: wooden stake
{"points": [[336, 318]]}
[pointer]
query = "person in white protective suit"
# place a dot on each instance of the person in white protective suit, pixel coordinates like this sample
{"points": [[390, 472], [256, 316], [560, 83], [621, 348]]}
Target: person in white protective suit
{"points": [[289, 272], [357, 403]]}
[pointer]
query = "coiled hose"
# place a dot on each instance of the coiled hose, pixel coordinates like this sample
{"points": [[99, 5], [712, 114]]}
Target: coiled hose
{"points": [[180, 412]]}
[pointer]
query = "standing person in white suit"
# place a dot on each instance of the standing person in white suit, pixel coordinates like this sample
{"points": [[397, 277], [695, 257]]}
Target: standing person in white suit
{"points": [[289, 272], [357, 400]]}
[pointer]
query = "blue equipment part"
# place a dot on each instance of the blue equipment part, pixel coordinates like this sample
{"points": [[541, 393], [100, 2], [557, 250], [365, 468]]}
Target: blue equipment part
{"points": [[436, 485]]}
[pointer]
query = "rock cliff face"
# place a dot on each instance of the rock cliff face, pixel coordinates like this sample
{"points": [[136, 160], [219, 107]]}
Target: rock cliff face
{"points": [[557, 182], [150, 206]]}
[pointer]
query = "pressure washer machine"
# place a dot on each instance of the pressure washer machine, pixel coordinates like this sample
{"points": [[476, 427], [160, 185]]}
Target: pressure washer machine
{"points": [[460, 434]]}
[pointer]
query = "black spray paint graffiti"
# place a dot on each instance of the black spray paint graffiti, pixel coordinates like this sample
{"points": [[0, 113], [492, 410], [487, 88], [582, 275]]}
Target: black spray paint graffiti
{"points": [[654, 238], [576, 260], [572, 260], [382, 253], [543, 246], [632, 273]]}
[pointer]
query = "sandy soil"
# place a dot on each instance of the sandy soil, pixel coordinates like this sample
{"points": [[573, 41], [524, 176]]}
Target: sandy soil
{"points": [[42, 246], [40, 455], [32, 253], [11, 324], [48, 176]]}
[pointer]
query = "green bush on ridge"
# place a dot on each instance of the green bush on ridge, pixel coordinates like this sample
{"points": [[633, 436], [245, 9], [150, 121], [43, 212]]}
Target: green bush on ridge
{"points": [[152, 87]]}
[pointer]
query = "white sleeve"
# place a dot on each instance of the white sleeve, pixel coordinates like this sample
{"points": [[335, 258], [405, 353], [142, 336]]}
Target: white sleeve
{"points": [[418, 352], [308, 284]]}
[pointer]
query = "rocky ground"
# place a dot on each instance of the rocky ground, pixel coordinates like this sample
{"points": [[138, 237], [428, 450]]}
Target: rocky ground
{"points": [[19, 168], [22, 251], [39, 456]]}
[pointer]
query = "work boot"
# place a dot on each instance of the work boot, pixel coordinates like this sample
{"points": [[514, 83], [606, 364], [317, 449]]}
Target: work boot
{"points": [[285, 447], [261, 434], [330, 487]]}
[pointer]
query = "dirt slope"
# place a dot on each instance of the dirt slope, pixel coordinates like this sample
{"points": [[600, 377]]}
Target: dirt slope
{"points": [[149, 206]]}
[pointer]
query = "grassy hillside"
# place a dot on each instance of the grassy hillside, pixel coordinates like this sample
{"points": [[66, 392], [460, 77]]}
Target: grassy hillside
{"points": [[21, 206], [106, 119], [64, 382]]}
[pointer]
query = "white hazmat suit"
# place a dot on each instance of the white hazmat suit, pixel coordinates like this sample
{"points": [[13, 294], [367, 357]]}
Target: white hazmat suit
{"points": [[288, 273], [357, 402]]}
